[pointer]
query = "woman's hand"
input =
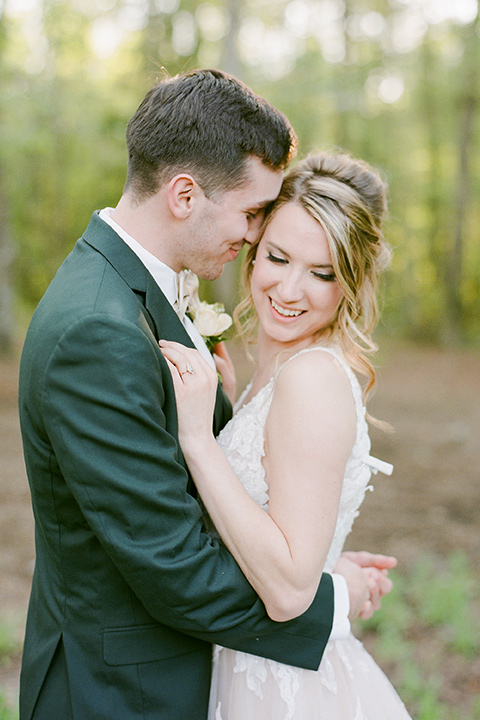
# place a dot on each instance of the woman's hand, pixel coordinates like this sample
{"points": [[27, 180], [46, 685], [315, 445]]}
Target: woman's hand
{"points": [[225, 367], [370, 571], [195, 384]]}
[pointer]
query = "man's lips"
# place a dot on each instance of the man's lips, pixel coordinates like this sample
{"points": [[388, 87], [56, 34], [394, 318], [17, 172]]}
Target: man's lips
{"points": [[234, 252]]}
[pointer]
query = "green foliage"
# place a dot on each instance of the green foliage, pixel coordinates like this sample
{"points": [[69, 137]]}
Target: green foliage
{"points": [[446, 601], [63, 111], [9, 649], [6, 711], [8, 643], [433, 609]]}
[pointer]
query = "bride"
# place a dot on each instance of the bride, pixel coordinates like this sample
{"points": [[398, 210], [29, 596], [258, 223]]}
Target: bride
{"points": [[284, 480]]}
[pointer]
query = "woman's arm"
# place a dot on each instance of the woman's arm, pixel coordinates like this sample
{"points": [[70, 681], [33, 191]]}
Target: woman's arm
{"points": [[309, 434]]}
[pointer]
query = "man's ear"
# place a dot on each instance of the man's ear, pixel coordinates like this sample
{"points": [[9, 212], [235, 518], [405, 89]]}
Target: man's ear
{"points": [[183, 192]]}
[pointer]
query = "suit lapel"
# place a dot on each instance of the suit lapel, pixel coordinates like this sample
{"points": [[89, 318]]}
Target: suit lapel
{"points": [[160, 315]]}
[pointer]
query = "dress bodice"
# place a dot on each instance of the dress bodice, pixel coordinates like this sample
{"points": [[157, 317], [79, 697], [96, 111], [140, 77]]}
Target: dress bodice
{"points": [[242, 441], [348, 683]]}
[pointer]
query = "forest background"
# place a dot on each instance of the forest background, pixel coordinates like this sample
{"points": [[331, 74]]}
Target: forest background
{"points": [[396, 82]]}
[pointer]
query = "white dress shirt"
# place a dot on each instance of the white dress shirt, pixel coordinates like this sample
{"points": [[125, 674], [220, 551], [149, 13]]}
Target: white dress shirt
{"points": [[166, 279], [164, 276]]}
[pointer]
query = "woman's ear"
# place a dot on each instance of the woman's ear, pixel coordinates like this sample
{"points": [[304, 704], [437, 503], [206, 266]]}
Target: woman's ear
{"points": [[183, 193]]}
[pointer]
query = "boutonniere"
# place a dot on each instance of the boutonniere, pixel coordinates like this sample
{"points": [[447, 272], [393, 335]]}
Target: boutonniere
{"points": [[209, 319]]}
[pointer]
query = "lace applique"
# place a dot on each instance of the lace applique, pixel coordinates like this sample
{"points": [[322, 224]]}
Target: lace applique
{"points": [[359, 714], [287, 679], [243, 443], [257, 670], [326, 671]]}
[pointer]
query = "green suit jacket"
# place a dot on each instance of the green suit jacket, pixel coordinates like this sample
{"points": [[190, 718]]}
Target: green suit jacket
{"points": [[127, 583]]}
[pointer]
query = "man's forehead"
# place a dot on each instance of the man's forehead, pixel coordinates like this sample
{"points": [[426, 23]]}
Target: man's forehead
{"points": [[261, 188]]}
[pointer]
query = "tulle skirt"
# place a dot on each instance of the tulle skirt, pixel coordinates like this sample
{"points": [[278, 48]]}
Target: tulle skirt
{"points": [[349, 685]]}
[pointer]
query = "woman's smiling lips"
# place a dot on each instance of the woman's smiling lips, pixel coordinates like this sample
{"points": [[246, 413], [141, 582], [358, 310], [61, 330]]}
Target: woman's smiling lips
{"points": [[283, 311]]}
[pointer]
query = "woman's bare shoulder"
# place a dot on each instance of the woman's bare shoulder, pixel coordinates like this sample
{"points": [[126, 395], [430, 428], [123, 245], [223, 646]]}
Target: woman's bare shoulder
{"points": [[313, 368]]}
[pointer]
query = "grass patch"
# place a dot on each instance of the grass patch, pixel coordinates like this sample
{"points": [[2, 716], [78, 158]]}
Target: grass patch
{"points": [[426, 637], [6, 711], [10, 648], [9, 645]]}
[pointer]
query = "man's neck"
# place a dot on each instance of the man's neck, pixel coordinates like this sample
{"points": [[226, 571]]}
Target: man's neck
{"points": [[146, 223]]}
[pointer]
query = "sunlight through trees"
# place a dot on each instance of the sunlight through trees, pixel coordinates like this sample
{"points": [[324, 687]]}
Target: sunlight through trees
{"points": [[394, 81]]}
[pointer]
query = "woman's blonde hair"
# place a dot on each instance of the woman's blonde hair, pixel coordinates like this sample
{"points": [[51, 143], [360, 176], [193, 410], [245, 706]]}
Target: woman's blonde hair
{"points": [[348, 199]]}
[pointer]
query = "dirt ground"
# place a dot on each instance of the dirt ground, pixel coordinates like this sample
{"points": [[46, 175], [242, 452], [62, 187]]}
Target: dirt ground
{"points": [[431, 503]]}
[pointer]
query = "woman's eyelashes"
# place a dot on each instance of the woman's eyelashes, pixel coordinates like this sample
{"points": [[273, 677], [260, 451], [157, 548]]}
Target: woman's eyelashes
{"points": [[276, 259], [326, 277]]}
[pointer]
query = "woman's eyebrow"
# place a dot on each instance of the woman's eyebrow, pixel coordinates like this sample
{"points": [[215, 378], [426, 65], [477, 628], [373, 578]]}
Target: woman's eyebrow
{"points": [[284, 252]]}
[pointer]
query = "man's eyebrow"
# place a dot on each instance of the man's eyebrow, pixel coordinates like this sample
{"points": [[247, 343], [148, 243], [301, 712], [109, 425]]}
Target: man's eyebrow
{"points": [[261, 204]]}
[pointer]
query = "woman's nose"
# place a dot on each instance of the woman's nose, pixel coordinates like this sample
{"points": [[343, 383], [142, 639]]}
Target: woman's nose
{"points": [[290, 288]]}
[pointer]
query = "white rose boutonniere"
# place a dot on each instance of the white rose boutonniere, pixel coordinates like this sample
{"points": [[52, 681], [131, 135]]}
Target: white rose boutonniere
{"points": [[210, 319]]}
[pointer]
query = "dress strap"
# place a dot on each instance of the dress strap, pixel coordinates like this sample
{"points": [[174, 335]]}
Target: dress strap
{"points": [[377, 465], [238, 404], [331, 350]]}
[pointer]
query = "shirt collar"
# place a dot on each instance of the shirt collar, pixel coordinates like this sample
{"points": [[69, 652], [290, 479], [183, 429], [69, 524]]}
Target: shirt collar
{"points": [[164, 276]]}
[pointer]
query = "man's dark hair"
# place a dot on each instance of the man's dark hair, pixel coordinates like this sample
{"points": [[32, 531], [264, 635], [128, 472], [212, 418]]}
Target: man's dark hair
{"points": [[206, 123]]}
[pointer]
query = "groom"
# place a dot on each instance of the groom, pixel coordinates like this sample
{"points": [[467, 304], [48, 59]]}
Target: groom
{"points": [[128, 591]]}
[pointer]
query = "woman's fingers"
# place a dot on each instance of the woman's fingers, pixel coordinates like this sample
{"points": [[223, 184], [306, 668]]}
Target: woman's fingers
{"points": [[175, 352], [186, 360], [190, 366], [367, 559], [176, 378], [195, 385]]}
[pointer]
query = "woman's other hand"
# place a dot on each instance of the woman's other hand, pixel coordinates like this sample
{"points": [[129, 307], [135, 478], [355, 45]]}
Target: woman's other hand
{"points": [[224, 365]]}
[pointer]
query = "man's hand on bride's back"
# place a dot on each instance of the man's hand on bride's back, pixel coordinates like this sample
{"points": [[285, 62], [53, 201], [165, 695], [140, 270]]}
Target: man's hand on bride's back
{"points": [[367, 579]]}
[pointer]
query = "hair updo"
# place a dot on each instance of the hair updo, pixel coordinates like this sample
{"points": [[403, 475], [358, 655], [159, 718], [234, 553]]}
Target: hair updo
{"points": [[348, 199]]}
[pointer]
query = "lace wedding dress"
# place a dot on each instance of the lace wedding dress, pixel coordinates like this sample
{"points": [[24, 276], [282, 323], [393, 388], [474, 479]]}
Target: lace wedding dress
{"points": [[348, 685]]}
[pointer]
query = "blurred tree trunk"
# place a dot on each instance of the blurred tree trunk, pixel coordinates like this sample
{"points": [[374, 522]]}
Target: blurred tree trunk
{"points": [[432, 118], [226, 287], [230, 61], [344, 101], [467, 104], [7, 324]]}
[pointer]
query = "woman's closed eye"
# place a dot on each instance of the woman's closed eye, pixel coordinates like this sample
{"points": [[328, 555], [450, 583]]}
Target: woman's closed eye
{"points": [[276, 259], [326, 277]]}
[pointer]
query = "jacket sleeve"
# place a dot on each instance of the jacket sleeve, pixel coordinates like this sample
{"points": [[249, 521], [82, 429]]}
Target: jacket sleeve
{"points": [[110, 416]]}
